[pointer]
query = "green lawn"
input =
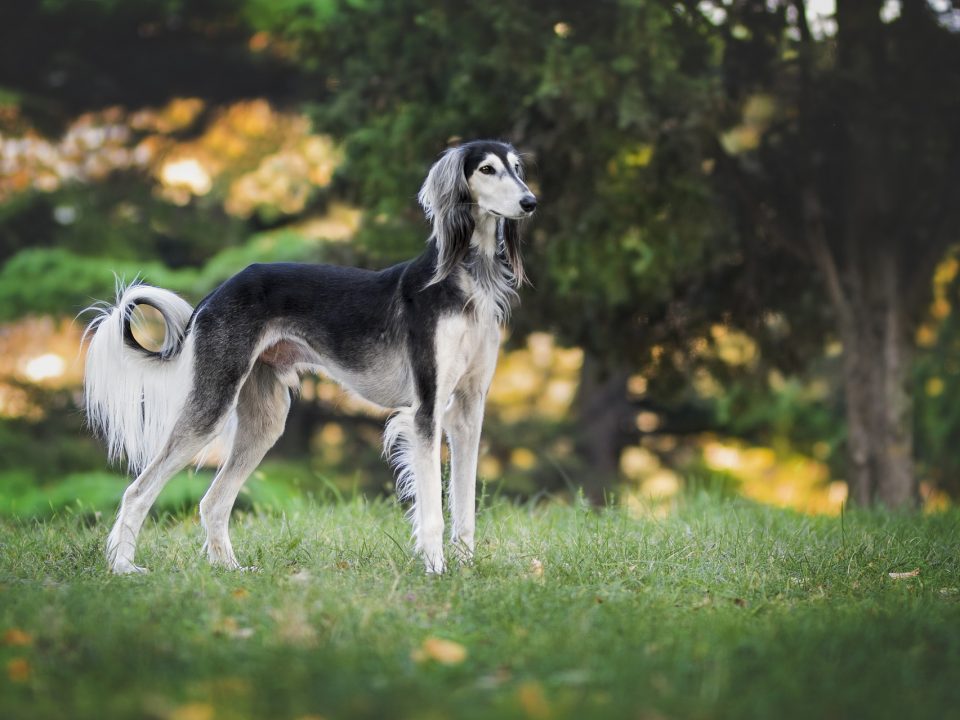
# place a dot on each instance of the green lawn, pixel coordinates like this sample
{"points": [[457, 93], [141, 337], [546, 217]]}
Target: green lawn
{"points": [[720, 609]]}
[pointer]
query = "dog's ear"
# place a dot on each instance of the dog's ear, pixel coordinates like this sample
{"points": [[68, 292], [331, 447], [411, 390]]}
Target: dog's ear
{"points": [[510, 245], [445, 198]]}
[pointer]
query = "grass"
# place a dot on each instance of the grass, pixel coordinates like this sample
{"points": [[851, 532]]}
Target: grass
{"points": [[721, 609]]}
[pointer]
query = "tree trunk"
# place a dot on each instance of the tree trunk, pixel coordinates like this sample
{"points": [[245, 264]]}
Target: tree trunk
{"points": [[877, 354], [602, 411]]}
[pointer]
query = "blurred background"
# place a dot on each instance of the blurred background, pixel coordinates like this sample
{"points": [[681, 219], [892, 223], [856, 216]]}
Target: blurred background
{"points": [[744, 266]]}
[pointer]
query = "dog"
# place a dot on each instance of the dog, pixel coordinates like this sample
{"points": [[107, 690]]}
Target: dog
{"points": [[420, 338]]}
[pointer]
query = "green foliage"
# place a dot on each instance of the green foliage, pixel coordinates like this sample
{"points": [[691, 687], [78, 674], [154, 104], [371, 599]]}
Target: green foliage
{"points": [[936, 387], [48, 449], [55, 280], [722, 609], [276, 486]]}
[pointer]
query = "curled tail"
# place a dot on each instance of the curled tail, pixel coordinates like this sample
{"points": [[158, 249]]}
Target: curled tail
{"points": [[133, 395]]}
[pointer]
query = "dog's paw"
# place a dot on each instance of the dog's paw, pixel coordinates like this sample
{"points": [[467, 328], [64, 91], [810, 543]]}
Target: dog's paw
{"points": [[127, 567], [433, 564], [462, 551]]}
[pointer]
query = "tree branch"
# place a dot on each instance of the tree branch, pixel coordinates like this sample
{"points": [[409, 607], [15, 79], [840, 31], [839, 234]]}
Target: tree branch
{"points": [[823, 258], [806, 37]]}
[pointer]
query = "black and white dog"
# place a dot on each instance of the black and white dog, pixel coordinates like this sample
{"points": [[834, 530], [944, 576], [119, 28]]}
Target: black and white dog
{"points": [[420, 338]]}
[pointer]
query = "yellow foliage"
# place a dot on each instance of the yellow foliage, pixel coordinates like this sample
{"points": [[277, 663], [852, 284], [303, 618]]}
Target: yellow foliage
{"points": [[926, 335], [489, 467], [935, 386], [15, 637], [178, 114], [792, 480], [733, 346], [539, 380], [757, 114], [39, 351], [661, 484], [638, 156], [946, 271], [647, 421], [638, 462], [523, 459], [705, 384], [18, 670], [940, 308], [637, 385]]}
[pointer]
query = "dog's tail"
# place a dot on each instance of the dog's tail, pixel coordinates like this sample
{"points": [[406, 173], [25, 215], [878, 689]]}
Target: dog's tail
{"points": [[134, 395]]}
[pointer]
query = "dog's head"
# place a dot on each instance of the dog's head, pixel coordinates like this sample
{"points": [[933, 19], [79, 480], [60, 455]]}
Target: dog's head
{"points": [[483, 176]]}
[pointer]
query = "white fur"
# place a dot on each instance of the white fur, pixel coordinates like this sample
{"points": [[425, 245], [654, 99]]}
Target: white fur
{"points": [[466, 352], [499, 193], [132, 399]]}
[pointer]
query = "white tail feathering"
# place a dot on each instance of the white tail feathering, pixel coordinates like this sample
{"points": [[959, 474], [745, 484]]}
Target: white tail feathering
{"points": [[132, 397]]}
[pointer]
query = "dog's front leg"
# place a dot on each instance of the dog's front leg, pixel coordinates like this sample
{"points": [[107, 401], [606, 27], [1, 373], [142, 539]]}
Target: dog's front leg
{"points": [[428, 511], [462, 421]]}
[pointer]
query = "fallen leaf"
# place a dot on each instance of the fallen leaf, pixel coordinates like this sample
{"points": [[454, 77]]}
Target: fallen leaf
{"points": [[903, 575], [532, 699], [705, 601], [17, 638], [240, 593], [18, 670], [231, 628], [193, 711], [445, 652], [536, 568], [293, 626]]}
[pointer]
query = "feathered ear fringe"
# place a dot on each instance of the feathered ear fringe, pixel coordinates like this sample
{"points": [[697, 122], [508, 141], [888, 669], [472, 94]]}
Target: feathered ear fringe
{"points": [[510, 240], [445, 198]]}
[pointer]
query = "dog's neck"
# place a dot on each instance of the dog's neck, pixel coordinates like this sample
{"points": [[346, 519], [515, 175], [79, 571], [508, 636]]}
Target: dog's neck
{"points": [[484, 238], [488, 287]]}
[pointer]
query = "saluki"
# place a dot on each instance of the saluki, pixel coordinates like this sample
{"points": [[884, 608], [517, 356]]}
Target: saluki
{"points": [[420, 338]]}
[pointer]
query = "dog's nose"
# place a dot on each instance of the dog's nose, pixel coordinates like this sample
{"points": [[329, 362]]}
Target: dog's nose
{"points": [[528, 203]]}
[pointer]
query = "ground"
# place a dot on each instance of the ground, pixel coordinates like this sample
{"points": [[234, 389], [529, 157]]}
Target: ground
{"points": [[714, 608]]}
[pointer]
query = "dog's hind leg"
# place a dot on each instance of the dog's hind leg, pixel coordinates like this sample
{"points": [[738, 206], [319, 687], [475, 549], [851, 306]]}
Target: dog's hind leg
{"points": [[140, 495], [262, 408], [208, 406]]}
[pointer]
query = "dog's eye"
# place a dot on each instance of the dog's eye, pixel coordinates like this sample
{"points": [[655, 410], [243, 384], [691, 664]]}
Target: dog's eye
{"points": [[487, 169]]}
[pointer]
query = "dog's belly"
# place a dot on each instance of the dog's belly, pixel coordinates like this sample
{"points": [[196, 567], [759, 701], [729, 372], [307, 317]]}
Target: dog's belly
{"points": [[386, 383], [384, 380]]}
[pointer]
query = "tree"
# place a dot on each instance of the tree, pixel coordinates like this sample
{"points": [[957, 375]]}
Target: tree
{"points": [[610, 103], [853, 170]]}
